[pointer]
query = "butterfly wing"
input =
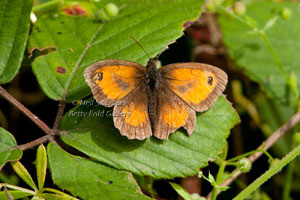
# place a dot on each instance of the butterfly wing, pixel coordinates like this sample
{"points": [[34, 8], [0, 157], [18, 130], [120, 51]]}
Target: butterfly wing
{"points": [[199, 85], [122, 82], [112, 80], [172, 113], [136, 125]]}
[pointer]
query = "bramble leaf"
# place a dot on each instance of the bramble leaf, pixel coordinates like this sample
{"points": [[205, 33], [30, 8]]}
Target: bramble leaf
{"points": [[180, 156], [14, 29], [7, 141], [91, 180]]}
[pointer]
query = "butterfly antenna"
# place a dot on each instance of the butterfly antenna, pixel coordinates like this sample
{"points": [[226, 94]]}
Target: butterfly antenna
{"points": [[140, 46]]}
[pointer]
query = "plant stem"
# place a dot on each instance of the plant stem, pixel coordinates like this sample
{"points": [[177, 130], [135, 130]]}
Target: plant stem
{"points": [[18, 188], [268, 174], [288, 181], [25, 110], [218, 180], [34, 143], [240, 19], [289, 174], [275, 57], [244, 155]]}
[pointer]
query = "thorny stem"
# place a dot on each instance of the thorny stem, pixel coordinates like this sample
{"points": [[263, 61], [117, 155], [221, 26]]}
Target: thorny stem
{"points": [[7, 194], [25, 110], [289, 177], [289, 172], [34, 143], [248, 154], [60, 112], [31, 144]]}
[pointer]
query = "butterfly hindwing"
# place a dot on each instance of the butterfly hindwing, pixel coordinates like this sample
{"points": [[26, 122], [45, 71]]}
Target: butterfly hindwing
{"points": [[136, 125], [172, 113], [199, 85], [112, 80]]}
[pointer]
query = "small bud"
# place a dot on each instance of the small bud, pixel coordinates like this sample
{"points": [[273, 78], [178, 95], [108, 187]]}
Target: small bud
{"points": [[274, 162], [239, 8], [211, 5], [286, 13], [103, 15], [111, 9], [244, 165], [200, 174]]}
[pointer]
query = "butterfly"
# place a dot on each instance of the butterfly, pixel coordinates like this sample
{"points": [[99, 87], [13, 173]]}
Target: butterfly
{"points": [[159, 100]]}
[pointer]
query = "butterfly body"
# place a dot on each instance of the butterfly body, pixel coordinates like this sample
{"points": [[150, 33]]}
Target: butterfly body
{"points": [[160, 100]]}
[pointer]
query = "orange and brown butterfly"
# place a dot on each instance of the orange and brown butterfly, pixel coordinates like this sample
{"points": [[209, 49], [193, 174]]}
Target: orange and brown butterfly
{"points": [[159, 100]]}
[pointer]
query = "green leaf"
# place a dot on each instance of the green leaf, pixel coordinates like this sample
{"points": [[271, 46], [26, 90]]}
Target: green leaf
{"points": [[7, 141], [41, 165], [153, 23], [50, 196], [14, 193], [14, 29], [23, 174], [90, 180], [181, 191], [251, 53], [180, 156], [211, 179], [57, 192]]}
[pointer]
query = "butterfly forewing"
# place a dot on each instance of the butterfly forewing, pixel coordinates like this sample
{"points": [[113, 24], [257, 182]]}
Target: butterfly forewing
{"points": [[112, 80], [199, 85]]}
